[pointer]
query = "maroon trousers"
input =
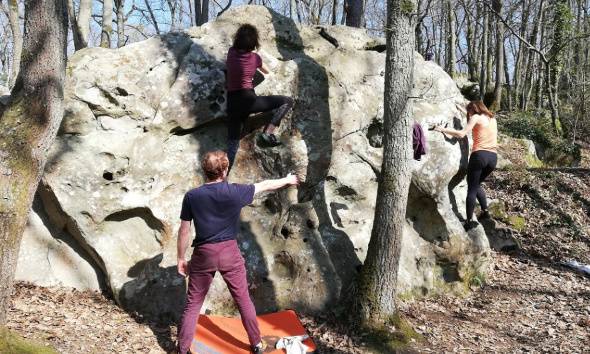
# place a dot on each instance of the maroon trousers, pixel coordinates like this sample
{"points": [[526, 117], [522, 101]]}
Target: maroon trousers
{"points": [[224, 257]]}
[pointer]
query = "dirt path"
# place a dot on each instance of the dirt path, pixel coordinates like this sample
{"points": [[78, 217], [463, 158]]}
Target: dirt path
{"points": [[530, 303]]}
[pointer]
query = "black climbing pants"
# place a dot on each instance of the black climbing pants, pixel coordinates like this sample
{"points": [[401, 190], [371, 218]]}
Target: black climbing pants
{"points": [[241, 103], [481, 164]]}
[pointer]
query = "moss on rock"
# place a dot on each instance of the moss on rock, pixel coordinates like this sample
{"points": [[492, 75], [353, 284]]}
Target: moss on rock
{"points": [[393, 336], [12, 343]]}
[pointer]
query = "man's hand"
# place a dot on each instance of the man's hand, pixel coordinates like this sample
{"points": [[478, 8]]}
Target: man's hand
{"points": [[183, 267], [292, 180]]}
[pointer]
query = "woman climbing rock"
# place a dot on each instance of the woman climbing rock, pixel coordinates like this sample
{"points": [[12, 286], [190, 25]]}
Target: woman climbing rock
{"points": [[241, 64], [483, 157]]}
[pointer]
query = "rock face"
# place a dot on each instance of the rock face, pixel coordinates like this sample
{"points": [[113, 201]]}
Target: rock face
{"points": [[139, 118], [50, 257], [515, 152]]}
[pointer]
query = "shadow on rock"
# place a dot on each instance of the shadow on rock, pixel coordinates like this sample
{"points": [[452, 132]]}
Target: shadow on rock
{"points": [[155, 296], [458, 178], [314, 121]]}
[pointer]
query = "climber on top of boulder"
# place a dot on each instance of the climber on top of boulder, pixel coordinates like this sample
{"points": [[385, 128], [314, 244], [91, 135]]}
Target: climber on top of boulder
{"points": [[483, 157], [241, 64]]}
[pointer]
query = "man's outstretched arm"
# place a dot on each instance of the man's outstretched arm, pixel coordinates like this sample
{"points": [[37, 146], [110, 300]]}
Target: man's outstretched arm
{"points": [[274, 184]]}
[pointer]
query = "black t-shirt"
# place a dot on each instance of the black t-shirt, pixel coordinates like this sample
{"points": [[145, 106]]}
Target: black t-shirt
{"points": [[215, 209]]}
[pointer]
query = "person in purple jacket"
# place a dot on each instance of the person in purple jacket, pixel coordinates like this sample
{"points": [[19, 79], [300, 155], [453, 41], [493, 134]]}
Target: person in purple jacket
{"points": [[241, 65], [215, 209]]}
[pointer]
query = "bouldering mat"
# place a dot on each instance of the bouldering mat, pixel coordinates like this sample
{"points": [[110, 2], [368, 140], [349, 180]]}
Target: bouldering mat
{"points": [[226, 335]]}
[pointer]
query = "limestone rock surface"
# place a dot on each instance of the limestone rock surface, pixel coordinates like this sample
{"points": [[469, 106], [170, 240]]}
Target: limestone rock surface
{"points": [[139, 118]]}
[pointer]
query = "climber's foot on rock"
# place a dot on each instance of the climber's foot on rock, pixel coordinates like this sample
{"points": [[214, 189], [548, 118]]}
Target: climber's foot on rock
{"points": [[470, 225], [484, 215], [268, 140]]}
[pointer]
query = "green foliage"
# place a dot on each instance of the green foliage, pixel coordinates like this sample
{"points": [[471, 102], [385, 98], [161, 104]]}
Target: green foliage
{"points": [[407, 7], [518, 222], [11, 343], [536, 126]]}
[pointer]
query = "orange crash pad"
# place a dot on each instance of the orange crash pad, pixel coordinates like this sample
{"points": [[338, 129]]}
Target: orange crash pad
{"points": [[224, 335]]}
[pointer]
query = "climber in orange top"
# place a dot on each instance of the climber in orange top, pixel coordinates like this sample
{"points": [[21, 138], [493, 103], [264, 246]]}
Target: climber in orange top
{"points": [[483, 157]]}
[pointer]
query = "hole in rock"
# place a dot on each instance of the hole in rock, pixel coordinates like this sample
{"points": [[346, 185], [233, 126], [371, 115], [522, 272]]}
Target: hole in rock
{"points": [[121, 91], [285, 232], [426, 219], [449, 272], [376, 48], [345, 191], [107, 175], [375, 134]]}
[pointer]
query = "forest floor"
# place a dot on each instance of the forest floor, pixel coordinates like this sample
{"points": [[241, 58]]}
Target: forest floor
{"points": [[529, 302]]}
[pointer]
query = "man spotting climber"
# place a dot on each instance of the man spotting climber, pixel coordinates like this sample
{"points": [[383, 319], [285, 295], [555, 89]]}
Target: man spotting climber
{"points": [[215, 209]]}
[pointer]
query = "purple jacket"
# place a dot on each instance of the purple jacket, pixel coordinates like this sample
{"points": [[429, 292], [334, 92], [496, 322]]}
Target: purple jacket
{"points": [[418, 141]]}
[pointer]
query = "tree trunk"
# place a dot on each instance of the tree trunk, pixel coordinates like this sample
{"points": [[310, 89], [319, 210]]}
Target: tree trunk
{"points": [[293, 10], [201, 12], [477, 39], [80, 23], [418, 29], [522, 54], [540, 72], [378, 280], [490, 56], [28, 127], [204, 12], [107, 23], [355, 12], [533, 60], [451, 38], [471, 45], [509, 104], [552, 102], [17, 40], [561, 25], [497, 103], [190, 13], [334, 11], [172, 10], [198, 11], [484, 55], [153, 16], [120, 22]]}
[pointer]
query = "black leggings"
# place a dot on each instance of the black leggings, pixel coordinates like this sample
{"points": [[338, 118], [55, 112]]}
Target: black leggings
{"points": [[481, 164], [243, 102]]}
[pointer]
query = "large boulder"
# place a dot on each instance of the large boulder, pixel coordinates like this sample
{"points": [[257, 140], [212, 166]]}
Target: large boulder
{"points": [[139, 118]]}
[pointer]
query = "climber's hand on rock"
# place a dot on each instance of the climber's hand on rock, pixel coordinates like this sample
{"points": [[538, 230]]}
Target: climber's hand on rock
{"points": [[182, 267], [292, 180]]}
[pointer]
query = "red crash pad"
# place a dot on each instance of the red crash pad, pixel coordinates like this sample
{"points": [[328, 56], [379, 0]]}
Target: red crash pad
{"points": [[224, 335]]}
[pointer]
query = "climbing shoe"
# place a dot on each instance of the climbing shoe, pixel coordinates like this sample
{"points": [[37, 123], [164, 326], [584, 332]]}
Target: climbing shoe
{"points": [[268, 140], [484, 215], [470, 225]]}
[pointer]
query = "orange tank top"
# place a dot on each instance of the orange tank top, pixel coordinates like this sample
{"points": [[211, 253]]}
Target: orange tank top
{"points": [[486, 138]]}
